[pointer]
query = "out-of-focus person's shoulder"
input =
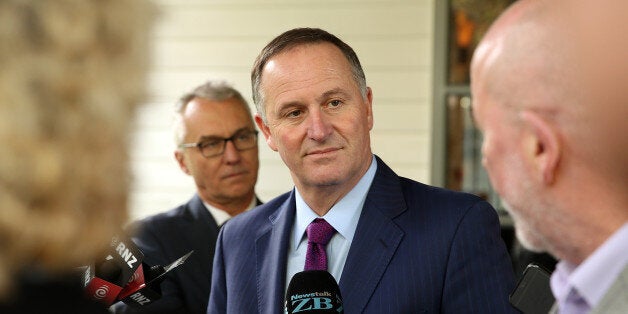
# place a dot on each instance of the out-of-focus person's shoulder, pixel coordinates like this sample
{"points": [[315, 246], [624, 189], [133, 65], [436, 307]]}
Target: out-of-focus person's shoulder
{"points": [[186, 212], [166, 217]]}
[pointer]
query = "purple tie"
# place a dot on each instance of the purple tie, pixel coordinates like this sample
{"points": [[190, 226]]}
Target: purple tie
{"points": [[319, 232]]}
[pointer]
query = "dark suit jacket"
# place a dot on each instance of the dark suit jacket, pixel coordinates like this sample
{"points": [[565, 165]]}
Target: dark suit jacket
{"points": [[167, 236], [417, 249]]}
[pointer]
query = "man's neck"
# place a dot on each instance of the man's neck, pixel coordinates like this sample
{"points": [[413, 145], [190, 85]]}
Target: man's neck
{"points": [[592, 231], [321, 198], [587, 215]]}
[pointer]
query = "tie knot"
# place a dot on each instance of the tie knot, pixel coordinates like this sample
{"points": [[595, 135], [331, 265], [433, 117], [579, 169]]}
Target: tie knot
{"points": [[320, 231]]}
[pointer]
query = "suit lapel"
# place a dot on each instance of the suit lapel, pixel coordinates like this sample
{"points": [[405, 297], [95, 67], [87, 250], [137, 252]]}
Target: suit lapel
{"points": [[198, 211], [271, 247], [376, 239], [201, 219]]}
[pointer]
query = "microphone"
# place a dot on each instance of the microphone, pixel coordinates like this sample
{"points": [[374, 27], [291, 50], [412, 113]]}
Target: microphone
{"points": [[144, 287], [533, 293], [122, 275], [106, 278], [313, 291]]}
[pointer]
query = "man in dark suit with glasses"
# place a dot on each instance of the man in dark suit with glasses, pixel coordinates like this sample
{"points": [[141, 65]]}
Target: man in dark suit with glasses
{"points": [[216, 145]]}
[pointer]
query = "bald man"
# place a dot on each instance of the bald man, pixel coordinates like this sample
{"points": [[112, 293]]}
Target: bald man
{"points": [[549, 95]]}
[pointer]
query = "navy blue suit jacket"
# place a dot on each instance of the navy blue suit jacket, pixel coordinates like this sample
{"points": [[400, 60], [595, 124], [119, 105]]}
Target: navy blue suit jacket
{"points": [[416, 249], [167, 236]]}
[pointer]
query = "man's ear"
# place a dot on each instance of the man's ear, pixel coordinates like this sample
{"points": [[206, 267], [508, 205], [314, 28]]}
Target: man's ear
{"points": [[369, 107], [542, 145], [180, 157], [266, 131]]}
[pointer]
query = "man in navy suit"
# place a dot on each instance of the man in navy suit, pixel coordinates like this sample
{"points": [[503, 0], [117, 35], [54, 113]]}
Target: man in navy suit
{"points": [[399, 246], [217, 146]]}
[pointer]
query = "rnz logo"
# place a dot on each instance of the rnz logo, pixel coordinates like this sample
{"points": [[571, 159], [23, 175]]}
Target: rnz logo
{"points": [[101, 292]]}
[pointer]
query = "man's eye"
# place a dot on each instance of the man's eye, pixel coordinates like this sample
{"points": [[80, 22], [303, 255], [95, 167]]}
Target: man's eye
{"points": [[335, 103], [294, 113], [210, 144]]}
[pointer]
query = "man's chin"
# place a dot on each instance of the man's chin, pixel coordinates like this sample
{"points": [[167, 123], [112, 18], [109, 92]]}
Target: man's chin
{"points": [[528, 237], [236, 190], [528, 241]]}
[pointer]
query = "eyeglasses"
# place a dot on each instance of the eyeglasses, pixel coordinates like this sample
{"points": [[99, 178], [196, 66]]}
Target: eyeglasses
{"points": [[215, 146]]}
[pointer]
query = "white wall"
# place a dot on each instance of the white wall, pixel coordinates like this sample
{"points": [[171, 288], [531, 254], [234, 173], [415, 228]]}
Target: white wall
{"points": [[196, 40]]}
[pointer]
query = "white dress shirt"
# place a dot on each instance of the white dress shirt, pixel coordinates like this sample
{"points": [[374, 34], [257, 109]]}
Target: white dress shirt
{"points": [[343, 216], [222, 216], [579, 289]]}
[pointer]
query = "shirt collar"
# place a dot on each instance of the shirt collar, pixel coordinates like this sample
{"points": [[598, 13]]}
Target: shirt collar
{"points": [[594, 276], [598, 272], [343, 216], [222, 216]]}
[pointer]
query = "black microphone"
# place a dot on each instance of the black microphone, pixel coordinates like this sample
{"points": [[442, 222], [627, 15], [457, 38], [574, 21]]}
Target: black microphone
{"points": [[533, 293], [313, 291]]}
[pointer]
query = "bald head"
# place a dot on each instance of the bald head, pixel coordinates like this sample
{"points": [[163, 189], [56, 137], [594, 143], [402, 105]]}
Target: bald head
{"points": [[524, 52], [564, 60]]}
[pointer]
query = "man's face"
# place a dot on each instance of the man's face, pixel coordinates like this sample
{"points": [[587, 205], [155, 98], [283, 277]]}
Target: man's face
{"points": [[317, 119], [502, 159], [227, 177]]}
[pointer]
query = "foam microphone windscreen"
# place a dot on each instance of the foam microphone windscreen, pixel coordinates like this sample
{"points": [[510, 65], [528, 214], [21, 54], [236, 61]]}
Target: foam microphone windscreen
{"points": [[313, 291]]}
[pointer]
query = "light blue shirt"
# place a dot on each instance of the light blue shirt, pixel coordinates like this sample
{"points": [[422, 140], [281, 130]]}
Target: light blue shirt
{"points": [[580, 289], [343, 216]]}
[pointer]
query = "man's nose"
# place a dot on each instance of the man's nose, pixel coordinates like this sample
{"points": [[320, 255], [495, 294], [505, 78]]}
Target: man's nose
{"points": [[231, 153], [319, 127]]}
